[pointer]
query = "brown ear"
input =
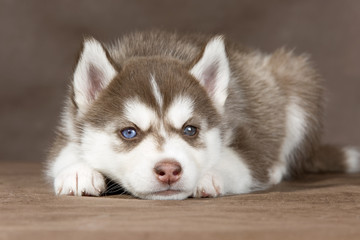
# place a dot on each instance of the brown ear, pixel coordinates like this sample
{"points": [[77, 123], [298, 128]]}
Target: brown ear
{"points": [[213, 71], [93, 73]]}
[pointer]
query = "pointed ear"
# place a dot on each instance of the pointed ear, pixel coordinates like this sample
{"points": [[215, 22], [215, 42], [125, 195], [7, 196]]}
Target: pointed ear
{"points": [[93, 73], [213, 71]]}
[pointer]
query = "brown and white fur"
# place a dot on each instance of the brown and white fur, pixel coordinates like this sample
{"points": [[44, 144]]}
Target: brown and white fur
{"points": [[210, 118]]}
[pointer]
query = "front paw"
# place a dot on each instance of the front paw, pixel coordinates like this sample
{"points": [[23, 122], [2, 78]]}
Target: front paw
{"points": [[79, 180], [210, 185]]}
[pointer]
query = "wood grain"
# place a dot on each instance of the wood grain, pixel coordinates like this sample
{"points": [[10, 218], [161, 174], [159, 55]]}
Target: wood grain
{"points": [[315, 207]]}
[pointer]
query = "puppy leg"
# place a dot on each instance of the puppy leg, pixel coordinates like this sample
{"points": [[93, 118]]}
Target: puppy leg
{"points": [[73, 177], [228, 176]]}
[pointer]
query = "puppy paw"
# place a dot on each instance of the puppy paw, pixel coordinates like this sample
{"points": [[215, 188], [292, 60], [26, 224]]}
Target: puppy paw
{"points": [[210, 185], [79, 180]]}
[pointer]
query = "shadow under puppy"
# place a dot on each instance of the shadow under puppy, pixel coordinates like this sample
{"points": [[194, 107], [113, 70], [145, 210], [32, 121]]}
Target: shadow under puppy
{"points": [[169, 116]]}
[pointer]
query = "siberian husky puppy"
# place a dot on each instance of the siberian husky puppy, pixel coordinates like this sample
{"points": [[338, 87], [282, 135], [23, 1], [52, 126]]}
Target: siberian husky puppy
{"points": [[169, 116]]}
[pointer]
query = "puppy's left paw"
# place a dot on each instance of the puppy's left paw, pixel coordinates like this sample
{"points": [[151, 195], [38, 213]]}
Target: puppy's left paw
{"points": [[210, 185]]}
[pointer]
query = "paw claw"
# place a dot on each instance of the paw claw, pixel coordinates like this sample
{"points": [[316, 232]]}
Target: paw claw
{"points": [[204, 194], [85, 194]]}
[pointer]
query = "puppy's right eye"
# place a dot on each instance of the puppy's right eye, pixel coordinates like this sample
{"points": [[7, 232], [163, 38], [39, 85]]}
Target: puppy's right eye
{"points": [[128, 133]]}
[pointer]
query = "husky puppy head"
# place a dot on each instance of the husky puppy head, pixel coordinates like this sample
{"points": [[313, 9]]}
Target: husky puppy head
{"points": [[152, 124]]}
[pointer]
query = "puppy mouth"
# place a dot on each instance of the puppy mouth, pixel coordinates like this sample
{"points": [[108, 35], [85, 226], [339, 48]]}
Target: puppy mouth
{"points": [[168, 192]]}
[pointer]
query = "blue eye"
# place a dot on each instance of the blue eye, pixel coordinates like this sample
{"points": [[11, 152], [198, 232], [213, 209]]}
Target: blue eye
{"points": [[190, 131], [129, 133]]}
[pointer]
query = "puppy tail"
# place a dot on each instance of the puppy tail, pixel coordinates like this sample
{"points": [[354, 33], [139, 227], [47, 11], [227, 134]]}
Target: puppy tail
{"points": [[329, 158]]}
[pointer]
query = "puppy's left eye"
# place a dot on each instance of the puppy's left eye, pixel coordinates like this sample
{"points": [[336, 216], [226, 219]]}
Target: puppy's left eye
{"points": [[129, 133], [190, 131]]}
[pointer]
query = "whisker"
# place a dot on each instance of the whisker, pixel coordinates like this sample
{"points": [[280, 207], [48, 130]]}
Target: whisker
{"points": [[113, 188]]}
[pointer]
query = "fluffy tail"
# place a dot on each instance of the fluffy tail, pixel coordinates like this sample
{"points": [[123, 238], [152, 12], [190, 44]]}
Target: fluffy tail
{"points": [[329, 158]]}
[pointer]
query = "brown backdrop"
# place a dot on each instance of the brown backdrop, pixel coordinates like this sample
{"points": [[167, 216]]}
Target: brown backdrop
{"points": [[39, 41]]}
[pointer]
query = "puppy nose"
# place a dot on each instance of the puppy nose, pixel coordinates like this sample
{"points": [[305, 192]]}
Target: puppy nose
{"points": [[168, 171]]}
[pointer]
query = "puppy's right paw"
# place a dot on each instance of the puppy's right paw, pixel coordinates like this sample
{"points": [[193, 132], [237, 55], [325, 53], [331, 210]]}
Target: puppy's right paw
{"points": [[79, 180]]}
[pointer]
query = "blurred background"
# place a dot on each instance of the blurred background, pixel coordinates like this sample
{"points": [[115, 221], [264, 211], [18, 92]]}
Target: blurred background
{"points": [[39, 41]]}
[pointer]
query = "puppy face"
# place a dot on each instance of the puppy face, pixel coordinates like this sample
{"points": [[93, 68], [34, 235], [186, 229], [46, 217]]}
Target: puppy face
{"points": [[153, 129], [153, 123]]}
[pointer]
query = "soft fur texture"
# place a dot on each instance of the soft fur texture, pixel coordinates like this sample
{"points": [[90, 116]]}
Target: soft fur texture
{"points": [[253, 119]]}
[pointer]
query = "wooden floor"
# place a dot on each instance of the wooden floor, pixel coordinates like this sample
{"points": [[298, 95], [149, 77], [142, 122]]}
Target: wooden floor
{"points": [[317, 207]]}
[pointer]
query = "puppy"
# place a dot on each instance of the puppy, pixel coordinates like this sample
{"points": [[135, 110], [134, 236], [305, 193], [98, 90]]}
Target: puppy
{"points": [[169, 116]]}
